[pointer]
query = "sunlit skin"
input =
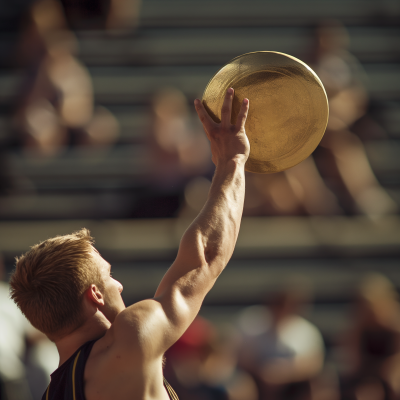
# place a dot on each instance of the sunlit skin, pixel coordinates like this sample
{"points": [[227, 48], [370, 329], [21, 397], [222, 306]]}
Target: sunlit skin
{"points": [[113, 304], [126, 360]]}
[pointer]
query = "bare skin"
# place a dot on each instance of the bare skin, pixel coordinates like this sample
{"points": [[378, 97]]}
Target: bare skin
{"points": [[126, 361]]}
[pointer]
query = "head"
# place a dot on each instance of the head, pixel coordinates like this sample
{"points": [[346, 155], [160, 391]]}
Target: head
{"points": [[332, 36], [54, 281], [377, 299], [290, 299], [170, 103]]}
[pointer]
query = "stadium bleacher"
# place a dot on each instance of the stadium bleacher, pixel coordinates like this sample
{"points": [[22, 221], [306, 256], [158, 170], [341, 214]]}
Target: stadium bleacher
{"points": [[182, 44]]}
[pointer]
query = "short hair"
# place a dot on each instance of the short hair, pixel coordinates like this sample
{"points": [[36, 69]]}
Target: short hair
{"points": [[50, 279]]}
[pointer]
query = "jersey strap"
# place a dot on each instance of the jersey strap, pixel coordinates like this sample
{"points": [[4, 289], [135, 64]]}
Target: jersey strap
{"points": [[171, 392], [69, 385], [73, 375], [73, 379]]}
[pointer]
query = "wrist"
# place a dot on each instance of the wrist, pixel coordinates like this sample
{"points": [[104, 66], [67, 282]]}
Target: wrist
{"points": [[236, 162], [230, 167]]}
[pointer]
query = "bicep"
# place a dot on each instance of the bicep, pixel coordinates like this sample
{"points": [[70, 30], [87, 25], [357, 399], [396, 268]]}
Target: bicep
{"points": [[182, 290], [150, 327], [181, 295], [185, 284]]}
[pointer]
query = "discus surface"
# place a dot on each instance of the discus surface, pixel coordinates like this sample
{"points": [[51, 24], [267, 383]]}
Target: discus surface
{"points": [[288, 107]]}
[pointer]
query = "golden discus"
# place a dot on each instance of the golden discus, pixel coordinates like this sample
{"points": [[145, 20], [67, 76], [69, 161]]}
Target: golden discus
{"points": [[288, 107]]}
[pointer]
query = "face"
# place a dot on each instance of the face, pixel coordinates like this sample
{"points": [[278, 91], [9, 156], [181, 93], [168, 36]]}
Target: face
{"points": [[113, 303]]}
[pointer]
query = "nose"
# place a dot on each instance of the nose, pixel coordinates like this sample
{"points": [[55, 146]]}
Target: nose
{"points": [[119, 285]]}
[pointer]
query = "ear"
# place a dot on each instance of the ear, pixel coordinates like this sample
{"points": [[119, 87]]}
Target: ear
{"points": [[94, 295]]}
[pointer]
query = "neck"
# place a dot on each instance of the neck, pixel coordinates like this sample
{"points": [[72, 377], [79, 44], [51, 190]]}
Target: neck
{"points": [[94, 328]]}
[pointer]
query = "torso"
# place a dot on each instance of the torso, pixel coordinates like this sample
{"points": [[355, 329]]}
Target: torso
{"points": [[111, 374], [97, 371]]}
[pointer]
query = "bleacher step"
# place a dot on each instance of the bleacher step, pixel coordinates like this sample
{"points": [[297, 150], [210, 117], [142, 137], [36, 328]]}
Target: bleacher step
{"points": [[259, 237]]}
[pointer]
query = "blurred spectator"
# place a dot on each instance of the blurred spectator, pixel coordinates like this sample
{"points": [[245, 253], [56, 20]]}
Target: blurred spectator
{"points": [[179, 152], [195, 196], [371, 349], [26, 355], [301, 189], [341, 73], [345, 162], [179, 149], [185, 360], [57, 103], [13, 380], [297, 191], [116, 16], [202, 365], [270, 194], [313, 194], [123, 16], [282, 350]]}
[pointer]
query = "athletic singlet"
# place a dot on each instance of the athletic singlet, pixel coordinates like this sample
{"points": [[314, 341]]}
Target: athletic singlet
{"points": [[67, 380]]}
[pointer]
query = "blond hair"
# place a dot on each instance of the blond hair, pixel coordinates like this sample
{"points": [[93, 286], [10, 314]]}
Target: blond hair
{"points": [[50, 279]]}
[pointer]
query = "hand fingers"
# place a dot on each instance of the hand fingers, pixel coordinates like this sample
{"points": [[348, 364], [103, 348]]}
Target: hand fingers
{"points": [[205, 119], [226, 110], [244, 110]]}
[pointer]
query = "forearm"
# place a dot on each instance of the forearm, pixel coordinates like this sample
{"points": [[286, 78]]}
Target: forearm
{"points": [[205, 248], [214, 232], [208, 243]]}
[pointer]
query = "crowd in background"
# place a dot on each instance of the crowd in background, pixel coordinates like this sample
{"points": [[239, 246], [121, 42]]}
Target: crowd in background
{"points": [[265, 352], [56, 111], [270, 351], [27, 357]]}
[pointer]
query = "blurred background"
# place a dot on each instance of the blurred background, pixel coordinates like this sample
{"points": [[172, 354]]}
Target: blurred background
{"points": [[98, 130]]}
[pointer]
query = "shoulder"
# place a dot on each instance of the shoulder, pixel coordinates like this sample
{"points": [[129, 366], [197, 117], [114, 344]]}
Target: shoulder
{"points": [[137, 328], [124, 359], [145, 330]]}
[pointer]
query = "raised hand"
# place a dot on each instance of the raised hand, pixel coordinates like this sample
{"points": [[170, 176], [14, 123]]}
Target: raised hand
{"points": [[228, 142]]}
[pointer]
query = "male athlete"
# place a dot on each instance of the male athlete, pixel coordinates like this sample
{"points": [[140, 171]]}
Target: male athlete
{"points": [[110, 352]]}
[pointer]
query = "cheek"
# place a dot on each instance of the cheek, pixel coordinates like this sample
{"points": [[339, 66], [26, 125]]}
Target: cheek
{"points": [[112, 290]]}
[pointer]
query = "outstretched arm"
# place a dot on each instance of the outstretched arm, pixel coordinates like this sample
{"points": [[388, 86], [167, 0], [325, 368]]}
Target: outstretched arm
{"points": [[208, 243]]}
